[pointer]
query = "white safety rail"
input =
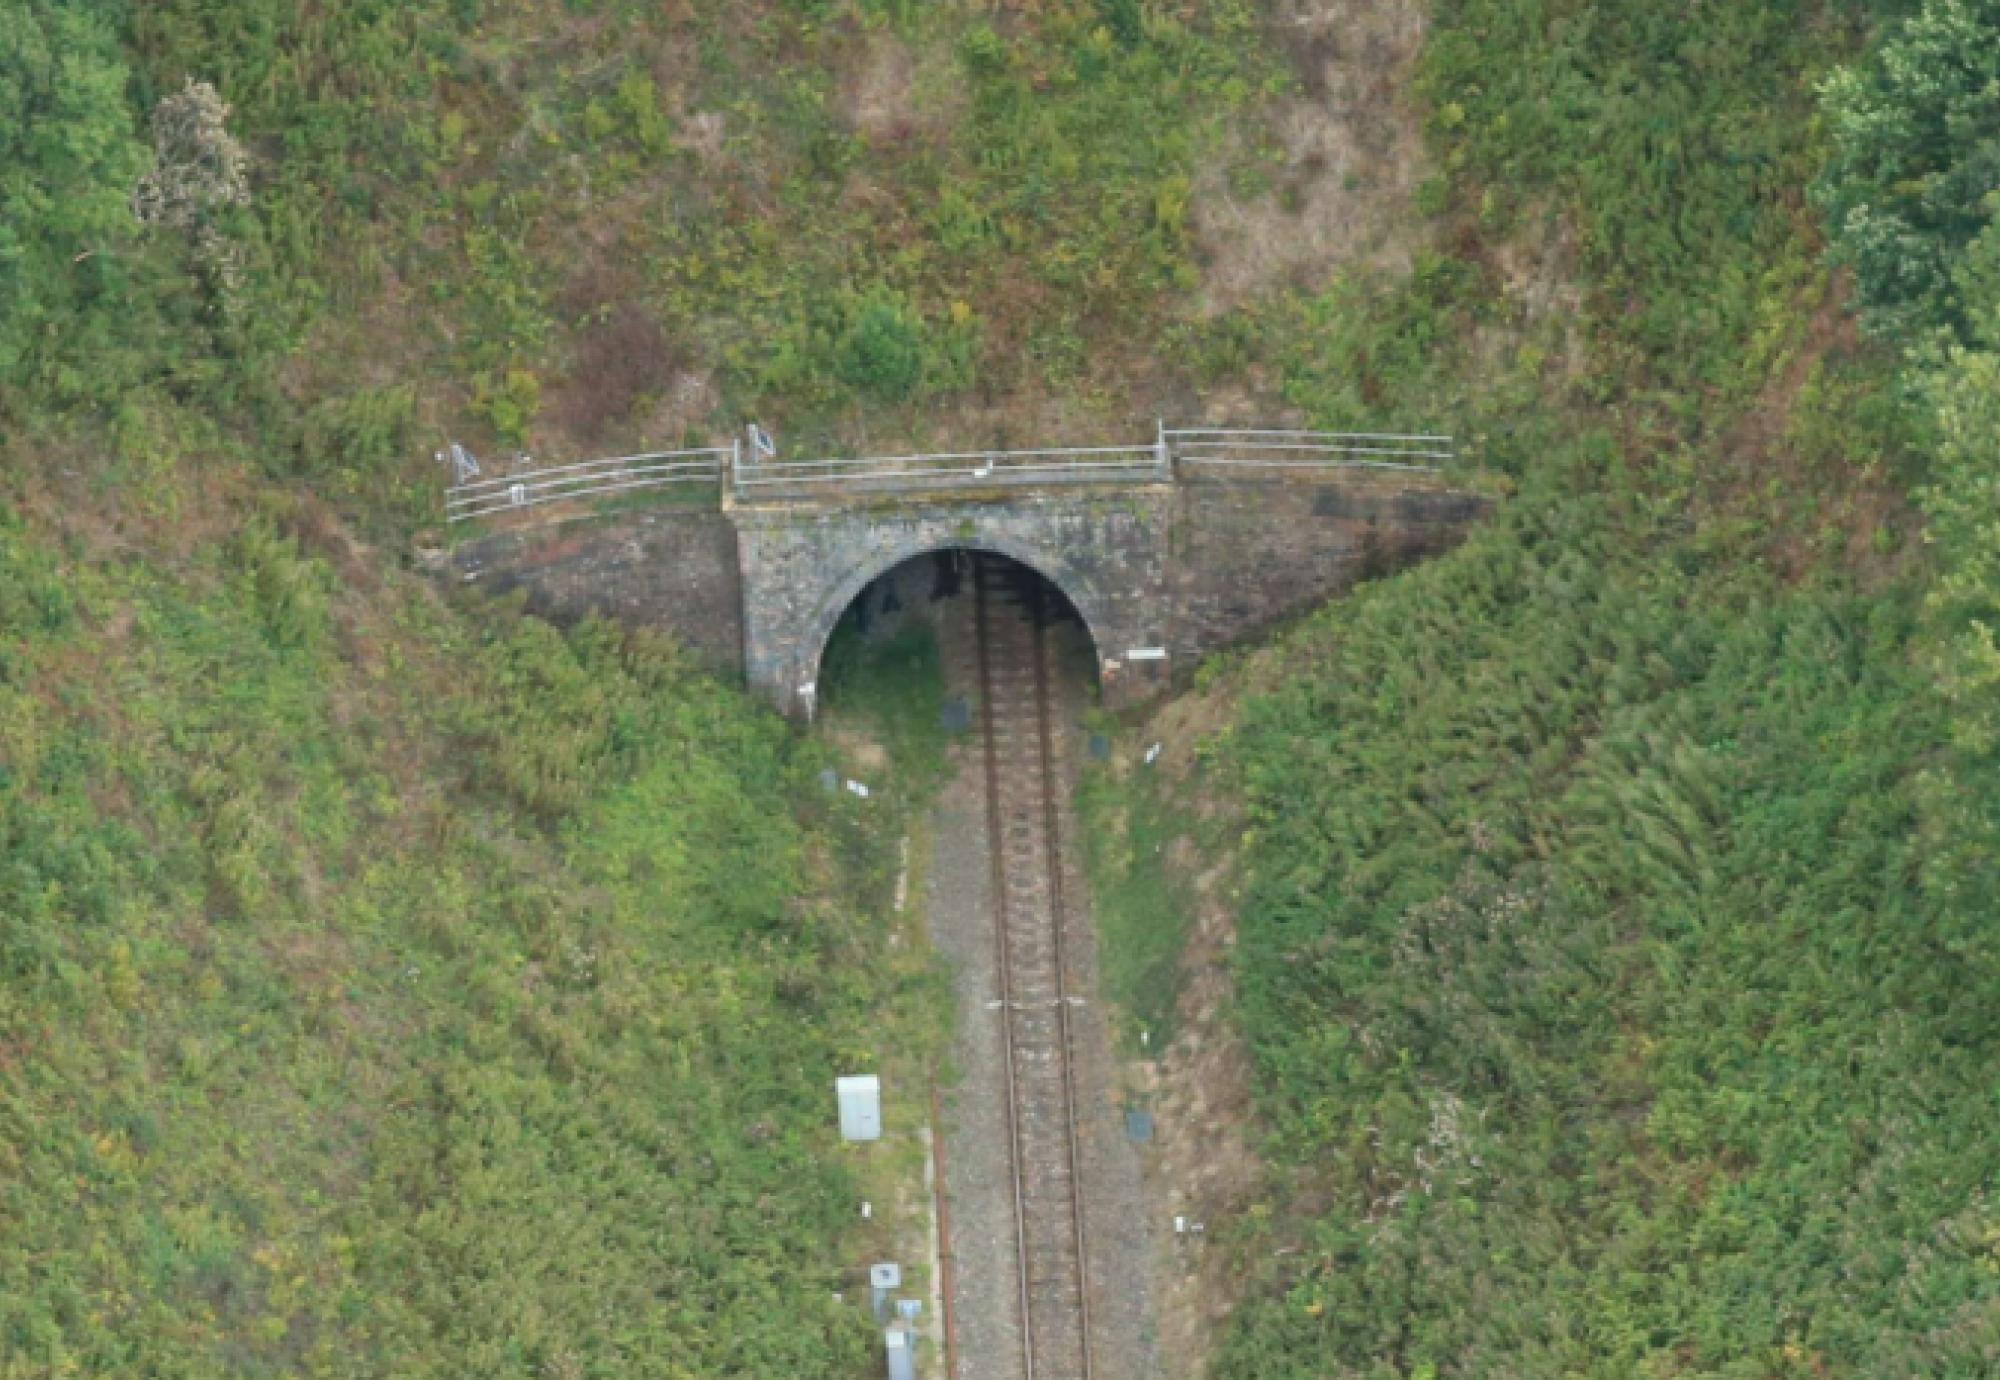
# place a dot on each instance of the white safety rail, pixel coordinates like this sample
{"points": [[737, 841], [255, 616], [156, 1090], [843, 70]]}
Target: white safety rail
{"points": [[1267, 449], [960, 470], [586, 479]]}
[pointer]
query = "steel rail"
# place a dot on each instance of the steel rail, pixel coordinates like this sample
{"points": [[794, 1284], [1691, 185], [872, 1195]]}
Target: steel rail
{"points": [[996, 846], [1059, 917], [1029, 891]]}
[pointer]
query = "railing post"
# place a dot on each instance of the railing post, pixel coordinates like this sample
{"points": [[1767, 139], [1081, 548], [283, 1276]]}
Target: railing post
{"points": [[1160, 444]]}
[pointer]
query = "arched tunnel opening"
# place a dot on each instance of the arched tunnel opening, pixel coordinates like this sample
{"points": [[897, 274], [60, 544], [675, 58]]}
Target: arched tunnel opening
{"points": [[908, 641]]}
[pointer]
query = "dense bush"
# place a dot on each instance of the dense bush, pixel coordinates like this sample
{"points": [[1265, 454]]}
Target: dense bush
{"points": [[1615, 951], [387, 990], [391, 990], [881, 352], [497, 182], [1673, 150], [1913, 198], [1962, 501]]}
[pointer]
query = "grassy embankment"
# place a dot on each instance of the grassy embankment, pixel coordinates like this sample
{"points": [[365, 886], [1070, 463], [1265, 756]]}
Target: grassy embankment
{"points": [[1615, 936], [397, 991]]}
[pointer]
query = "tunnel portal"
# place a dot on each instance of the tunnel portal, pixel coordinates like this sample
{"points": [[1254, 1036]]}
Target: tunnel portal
{"points": [[1160, 574], [922, 590]]}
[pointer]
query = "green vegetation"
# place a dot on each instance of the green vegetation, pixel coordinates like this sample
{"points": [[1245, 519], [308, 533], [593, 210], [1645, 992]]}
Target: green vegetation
{"points": [[68, 162], [394, 987], [391, 992], [881, 353], [1914, 209], [891, 689], [593, 224], [1142, 915], [1607, 959], [1617, 951], [1909, 188], [1671, 151], [1962, 501]]}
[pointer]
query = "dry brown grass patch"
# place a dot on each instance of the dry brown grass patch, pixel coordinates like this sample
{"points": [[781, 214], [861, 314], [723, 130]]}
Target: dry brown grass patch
{"points": [[1352, 155]]}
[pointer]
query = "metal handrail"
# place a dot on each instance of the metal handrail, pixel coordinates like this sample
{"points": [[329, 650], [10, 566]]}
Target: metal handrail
{"points": [[1213, 446], [903, 464], [943, 478], [1201, 431], [1267, 448], [1049, 464], [584, 479], [1203, 460], [1321, 448], [533, 481], [708, 456]]}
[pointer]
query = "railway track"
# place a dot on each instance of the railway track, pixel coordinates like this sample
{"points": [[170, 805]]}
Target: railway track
{"points": [[1022, 760]]}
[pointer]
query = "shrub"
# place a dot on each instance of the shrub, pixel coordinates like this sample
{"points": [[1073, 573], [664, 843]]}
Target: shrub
{"points": [[198, 167], [1962, 502], [509, 400], [881, 351], [68, 159]]}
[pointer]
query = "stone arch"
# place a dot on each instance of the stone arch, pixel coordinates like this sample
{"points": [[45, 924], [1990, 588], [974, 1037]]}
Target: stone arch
{"points": [[1090, 605], [1107, 554]]}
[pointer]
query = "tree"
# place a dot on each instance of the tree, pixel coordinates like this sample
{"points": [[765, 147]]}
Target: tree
{"points": [[1962, 504], [199, 171], [1916, 153]]}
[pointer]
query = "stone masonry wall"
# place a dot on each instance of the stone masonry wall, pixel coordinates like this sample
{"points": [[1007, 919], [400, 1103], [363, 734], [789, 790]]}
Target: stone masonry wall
{"points": [[1171, 572], [1250, 553], [665, 568]]}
